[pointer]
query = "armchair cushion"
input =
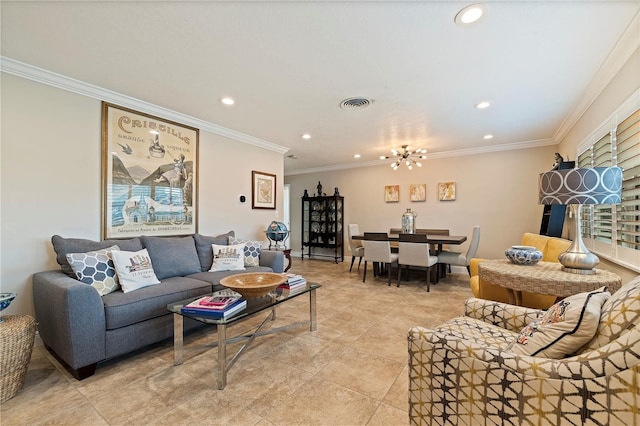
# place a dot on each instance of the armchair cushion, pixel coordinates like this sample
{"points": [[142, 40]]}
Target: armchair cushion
{"points": [[564, 328]]}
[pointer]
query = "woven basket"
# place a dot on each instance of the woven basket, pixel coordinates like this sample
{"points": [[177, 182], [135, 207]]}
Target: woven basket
{"points": [[17, 333]]}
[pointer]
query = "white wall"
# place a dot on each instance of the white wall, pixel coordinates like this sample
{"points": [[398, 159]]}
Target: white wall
{"points": [[498, 191], [51, 183]]}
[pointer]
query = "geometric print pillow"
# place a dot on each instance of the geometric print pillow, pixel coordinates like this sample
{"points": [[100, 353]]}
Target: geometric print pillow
{"points": [[251, 250], [619, 315], [564, 328], [96, 269]]}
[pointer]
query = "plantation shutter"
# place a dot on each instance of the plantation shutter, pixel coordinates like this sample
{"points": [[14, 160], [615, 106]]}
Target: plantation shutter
{"points": [[628, 156]]}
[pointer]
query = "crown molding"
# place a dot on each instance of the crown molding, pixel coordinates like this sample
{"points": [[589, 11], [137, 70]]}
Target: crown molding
{"points": [[622, 51], [40, 75], [430, 156]]}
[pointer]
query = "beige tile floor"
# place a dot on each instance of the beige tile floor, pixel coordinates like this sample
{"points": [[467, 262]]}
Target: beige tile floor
{"points": [[351, 371]]}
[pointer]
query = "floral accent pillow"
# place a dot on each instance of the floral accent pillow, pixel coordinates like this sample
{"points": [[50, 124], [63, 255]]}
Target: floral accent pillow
{"points": [[251, 251], [96, 269], [564, 328]]}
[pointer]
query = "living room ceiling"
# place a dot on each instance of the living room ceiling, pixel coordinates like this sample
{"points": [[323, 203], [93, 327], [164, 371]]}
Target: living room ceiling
{"points": [[289, 65]]}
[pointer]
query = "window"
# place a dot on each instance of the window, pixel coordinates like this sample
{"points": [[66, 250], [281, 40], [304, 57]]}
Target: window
{"points": [[628, 155], [613, 231]]}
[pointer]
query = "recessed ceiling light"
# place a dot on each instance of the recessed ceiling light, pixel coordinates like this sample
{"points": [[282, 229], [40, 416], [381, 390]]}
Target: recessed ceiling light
{"points": [[356, 155], [306, 136], [227, 101], [470, 14], [482, 105], [487, 137]]}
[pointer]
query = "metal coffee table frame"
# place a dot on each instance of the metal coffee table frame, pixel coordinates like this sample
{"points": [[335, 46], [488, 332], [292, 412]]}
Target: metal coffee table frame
{"points": [[254, 307]]}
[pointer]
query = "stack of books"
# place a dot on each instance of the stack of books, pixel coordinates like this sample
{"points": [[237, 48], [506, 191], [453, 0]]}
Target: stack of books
{"points": [[219, 306], [295, 283]]}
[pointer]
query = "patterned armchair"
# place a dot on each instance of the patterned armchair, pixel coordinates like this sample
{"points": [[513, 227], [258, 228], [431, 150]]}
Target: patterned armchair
{"points": [[462, 374]]}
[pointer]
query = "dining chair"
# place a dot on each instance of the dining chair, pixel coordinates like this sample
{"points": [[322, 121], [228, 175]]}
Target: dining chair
{"points": [[446, 257], [357, 249], [378, 250], [413, 250]]}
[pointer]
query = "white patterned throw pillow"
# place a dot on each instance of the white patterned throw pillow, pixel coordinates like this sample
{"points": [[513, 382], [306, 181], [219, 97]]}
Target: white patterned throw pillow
{"points": [[96, 269], [564, 328], [251, 250], [228, 258], [134, 269]]}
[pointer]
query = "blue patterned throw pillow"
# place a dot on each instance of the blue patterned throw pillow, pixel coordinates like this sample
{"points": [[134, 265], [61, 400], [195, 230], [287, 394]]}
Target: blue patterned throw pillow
{"points": [[251, 250], [96, 269]]}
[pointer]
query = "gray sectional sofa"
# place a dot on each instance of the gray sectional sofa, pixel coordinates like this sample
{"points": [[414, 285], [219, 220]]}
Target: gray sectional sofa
{"points": [[82, 328]]}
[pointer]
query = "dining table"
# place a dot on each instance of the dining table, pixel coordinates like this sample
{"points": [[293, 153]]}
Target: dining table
{"points": [[437, 240]]}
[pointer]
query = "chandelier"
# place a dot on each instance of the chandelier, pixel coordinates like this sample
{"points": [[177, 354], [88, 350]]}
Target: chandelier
{"points": [[406, 156]]}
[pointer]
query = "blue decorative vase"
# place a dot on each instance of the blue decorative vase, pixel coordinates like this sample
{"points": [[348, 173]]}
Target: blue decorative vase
{"points": [[523, 255]]}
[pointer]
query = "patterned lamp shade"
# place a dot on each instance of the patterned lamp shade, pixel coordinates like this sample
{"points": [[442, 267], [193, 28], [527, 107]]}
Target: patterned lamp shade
{"points": [[597, 185]]}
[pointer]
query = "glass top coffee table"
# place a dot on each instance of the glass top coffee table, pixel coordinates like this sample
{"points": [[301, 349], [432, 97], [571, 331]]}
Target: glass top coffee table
{"points": [[254, 307]]}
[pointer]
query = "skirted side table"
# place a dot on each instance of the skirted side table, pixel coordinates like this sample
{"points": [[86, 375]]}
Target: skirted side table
{"points": [[17, 334]]}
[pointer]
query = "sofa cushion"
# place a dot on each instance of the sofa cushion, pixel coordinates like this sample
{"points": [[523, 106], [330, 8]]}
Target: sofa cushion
{"points": [[135, 269], [96, 269], [123, 309], [62, 246], [228, 257], [564, 328], [203, 246], [251, 250], [172, 256]]}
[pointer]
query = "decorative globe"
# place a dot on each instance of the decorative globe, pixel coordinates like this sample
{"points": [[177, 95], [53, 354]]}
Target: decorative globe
{"points": [[277, 232], [523, 255]]}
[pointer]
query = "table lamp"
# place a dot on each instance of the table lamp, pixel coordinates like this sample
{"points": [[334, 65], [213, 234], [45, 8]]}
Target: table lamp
{"points": [[597, 185]]}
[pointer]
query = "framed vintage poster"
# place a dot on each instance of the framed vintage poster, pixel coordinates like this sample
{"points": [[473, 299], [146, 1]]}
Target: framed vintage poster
{"points": [[149, 175], [392, 193], [418, 192], [447, 191], [263, 190]]}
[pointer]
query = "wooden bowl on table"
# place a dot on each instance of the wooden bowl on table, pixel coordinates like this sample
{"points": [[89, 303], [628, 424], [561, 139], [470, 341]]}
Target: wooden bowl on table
{"points": [[253, 284]]}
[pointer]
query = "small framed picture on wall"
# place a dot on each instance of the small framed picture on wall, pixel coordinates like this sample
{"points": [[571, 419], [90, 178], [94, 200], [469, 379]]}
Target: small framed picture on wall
{"points": [[392, 193], [447, 191], [263, 190], [418, 192]]}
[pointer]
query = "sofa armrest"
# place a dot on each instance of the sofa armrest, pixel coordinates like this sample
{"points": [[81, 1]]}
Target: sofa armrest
{"points": [[70, 317], [273, 259], [510, 317]]}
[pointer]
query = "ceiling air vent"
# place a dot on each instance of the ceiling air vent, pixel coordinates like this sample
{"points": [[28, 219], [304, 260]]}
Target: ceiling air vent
{"points": [[355, 103]]}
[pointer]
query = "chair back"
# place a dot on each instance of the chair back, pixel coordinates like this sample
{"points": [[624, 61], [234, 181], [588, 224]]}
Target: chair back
{"points": [[413, 250], [395, 231], [473, 245], [354, 229], [377, 247]]}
